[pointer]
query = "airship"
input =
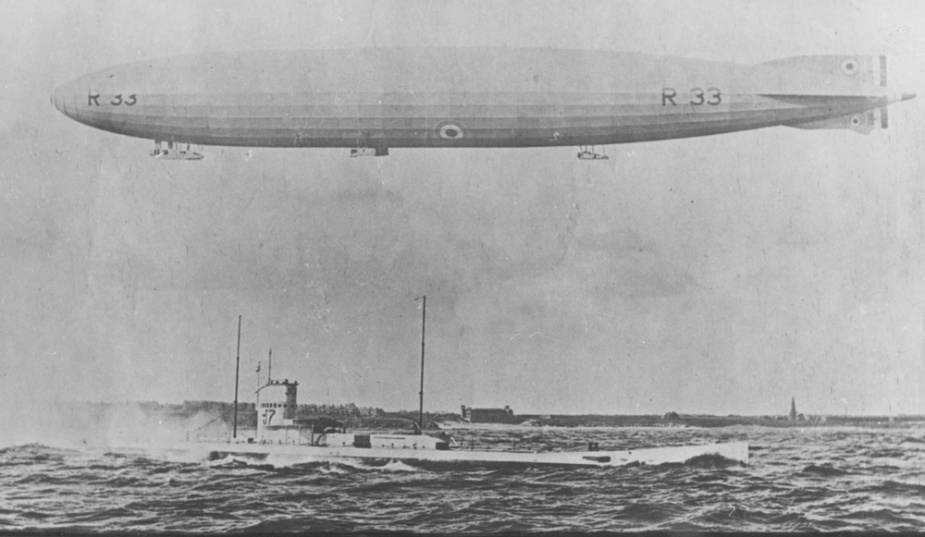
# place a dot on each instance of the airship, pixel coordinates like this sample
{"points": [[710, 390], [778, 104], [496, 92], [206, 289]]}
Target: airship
{"points": [[371, 100]]}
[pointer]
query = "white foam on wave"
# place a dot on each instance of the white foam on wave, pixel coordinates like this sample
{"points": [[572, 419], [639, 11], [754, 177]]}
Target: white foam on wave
{"points": [[334, 469], [185, 456], [279, 460], [356, 464], [228, 459], [177, 453], [398, 466]]}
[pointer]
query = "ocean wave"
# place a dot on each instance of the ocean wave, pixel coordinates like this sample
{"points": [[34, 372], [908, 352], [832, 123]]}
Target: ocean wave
{"points": [[794, 483], [336, 469], [825, 470], [649, 512], [224, 461], [398, 466], [900, 488], [712, 461], [103, 515], [34, 448], [886, 518], [886, 453]]}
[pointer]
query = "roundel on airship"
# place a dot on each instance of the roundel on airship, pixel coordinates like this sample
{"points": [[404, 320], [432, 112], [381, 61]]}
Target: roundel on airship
{"points": [[856, 120], [849, 66], [451, 130]]}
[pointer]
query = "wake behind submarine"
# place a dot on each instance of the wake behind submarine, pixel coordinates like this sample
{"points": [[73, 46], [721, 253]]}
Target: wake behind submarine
{"points": [[371, 100]]}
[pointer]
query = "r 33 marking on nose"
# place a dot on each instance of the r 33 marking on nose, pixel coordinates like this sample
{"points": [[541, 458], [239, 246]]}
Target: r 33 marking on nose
{"points": [[93, 99]]}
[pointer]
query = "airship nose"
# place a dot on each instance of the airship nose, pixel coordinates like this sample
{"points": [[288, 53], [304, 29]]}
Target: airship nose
{"points": [[54, 100], [60, 97], [908, 96]]}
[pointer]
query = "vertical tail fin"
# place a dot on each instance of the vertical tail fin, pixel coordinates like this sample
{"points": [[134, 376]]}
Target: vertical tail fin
{"points": [[868, 69], [884, 115]]}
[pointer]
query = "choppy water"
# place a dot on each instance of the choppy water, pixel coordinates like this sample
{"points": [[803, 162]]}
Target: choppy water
{"points": [[798, 480]]}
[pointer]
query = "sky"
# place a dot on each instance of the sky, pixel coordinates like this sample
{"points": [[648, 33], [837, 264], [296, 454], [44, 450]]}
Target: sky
{"points": [[721, 275]]}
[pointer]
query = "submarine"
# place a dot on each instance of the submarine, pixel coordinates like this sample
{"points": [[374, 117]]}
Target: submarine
{"points": [[280, 432]]}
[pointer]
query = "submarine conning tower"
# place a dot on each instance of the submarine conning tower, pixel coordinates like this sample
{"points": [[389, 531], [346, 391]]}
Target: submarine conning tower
{"points": [[276, 404]]}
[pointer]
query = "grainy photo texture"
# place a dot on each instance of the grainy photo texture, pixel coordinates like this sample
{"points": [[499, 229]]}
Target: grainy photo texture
{"points": [[462, 267]]}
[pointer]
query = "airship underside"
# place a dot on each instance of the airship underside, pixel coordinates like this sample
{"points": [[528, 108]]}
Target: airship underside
{"points": [[374, 99]]}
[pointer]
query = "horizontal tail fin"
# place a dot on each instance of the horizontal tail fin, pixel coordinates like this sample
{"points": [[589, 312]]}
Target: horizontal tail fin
{"points": [[863, 122]]}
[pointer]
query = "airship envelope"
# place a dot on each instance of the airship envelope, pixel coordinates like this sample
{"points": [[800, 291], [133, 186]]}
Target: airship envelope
{"points": [[370, 100]]}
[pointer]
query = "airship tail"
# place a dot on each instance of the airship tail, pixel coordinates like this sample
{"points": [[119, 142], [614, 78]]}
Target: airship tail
{"points": [[864, 69]]}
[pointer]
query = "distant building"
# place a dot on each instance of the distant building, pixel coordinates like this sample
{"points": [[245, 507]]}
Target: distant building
{"points": [[793, 409], [487, 415]]}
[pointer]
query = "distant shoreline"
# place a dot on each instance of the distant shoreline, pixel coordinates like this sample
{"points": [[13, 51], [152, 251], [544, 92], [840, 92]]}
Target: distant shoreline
{"points": [[693, 422], [200, 413]]}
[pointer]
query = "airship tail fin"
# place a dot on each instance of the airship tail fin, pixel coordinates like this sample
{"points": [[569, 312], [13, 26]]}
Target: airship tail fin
{"points": [[865, 69], [863, 122], [884, 115]]}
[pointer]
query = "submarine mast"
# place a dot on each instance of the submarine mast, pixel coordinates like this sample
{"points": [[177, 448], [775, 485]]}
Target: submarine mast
{"points": [[421, 393], [237, 369]]}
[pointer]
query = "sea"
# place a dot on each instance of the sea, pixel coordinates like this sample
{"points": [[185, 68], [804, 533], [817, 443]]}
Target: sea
{"points": [[812, 479]]}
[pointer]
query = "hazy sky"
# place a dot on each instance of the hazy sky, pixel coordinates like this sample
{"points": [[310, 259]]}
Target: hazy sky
{"points": [[724, 274]]}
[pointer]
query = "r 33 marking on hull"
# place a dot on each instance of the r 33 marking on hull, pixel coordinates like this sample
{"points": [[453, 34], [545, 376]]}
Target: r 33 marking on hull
{"points": [[117, 100], [711, 96]]}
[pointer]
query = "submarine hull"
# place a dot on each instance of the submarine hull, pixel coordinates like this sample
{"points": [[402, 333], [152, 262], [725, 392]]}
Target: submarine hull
{"points": [[733, 452]]}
